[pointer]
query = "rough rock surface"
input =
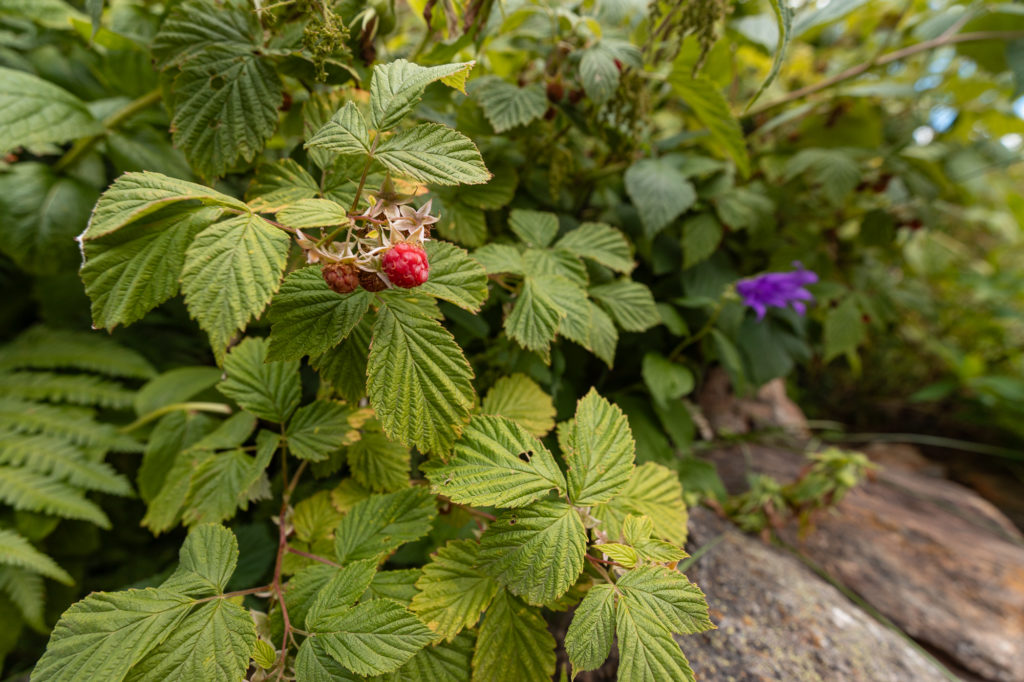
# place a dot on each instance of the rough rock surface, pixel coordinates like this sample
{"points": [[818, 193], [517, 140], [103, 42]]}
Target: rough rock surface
{"points": [[942, 563], [777, 620]]}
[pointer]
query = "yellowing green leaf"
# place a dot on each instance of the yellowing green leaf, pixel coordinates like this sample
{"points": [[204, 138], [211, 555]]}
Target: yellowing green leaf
{"points": [[599, 451], [496, 462], [519, 398], [537, 551], [653, 491], [452, 590], [514, 644]]}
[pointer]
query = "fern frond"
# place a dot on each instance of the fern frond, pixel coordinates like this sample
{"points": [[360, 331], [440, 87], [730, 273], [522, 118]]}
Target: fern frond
{"points": [[72, 423], [26, 592], [42, 348], [29, 491], [59, 459], [79, 389], [18, 552]]}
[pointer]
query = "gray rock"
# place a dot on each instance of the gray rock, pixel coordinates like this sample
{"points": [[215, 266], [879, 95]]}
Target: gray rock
{"points": [[777, 620]]}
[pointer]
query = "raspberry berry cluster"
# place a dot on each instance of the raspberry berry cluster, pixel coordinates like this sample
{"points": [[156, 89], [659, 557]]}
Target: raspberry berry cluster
{"points": [[383, 247]]}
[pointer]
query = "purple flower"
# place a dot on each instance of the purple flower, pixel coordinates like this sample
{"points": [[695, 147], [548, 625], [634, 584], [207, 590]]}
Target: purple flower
{"points": [[777, 289]]}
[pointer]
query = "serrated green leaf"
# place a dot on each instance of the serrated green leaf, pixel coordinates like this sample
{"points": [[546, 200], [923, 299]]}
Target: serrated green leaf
{"points": [[460, 222], [222, 484], [541, 262], [537, 551], [535, 318], [495, 194], [225, 102], [441, 662], [498, 258], [629, 303], [712, 110], [16, 551], [588, 641], [514, 644], [270, 390], [339, 593], [666, 380], [653, 491], [213, 643], [314, 664], [701, 236], [379, 524], [279, 184], [34, 111], [399, 585], [301, 590], [192, 27], [452, 590], [454, 276], [129, 272], [600, 243], [264, 654], [374, 637], [103, 636], [396, 88], [678, 604], [844, 329], [647, 650], [230, 433], [660, 193], [496, 462], [435, 154], [506, 106], [344, 367], [135, 195], [379, 464], [599, 450], [318, 429], [315, 518], [621, 554], [309, 318], [418, 378], [535, 228], [345, 133], [307, 213], [834, 170], [589, 326], [43, 212], [599, 74], [519, 398], [206, 562], [232, 270]]}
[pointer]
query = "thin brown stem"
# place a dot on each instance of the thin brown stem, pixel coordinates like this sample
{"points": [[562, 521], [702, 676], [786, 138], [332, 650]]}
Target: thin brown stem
{"points": [[893, 56], [314, 557], [295, 481], [366, 171], [596, 563], [282, 546]]}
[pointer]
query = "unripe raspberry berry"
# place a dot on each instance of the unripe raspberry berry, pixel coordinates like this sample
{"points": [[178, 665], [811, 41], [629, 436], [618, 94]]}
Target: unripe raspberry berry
{"points": [[341, 277], [406, 265], [371, 281]]}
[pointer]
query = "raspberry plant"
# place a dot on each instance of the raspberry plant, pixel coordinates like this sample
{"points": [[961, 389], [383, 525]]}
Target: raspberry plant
{"points": [[337, 253]]}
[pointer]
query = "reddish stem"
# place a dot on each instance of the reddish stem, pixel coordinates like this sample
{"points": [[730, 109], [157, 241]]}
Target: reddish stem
{"points": [[314, 557]]}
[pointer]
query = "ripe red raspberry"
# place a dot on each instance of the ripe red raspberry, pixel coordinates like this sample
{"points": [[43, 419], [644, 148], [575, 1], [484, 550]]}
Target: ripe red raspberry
{"points": [[341, 277], [371, 281], [406, 265]]}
